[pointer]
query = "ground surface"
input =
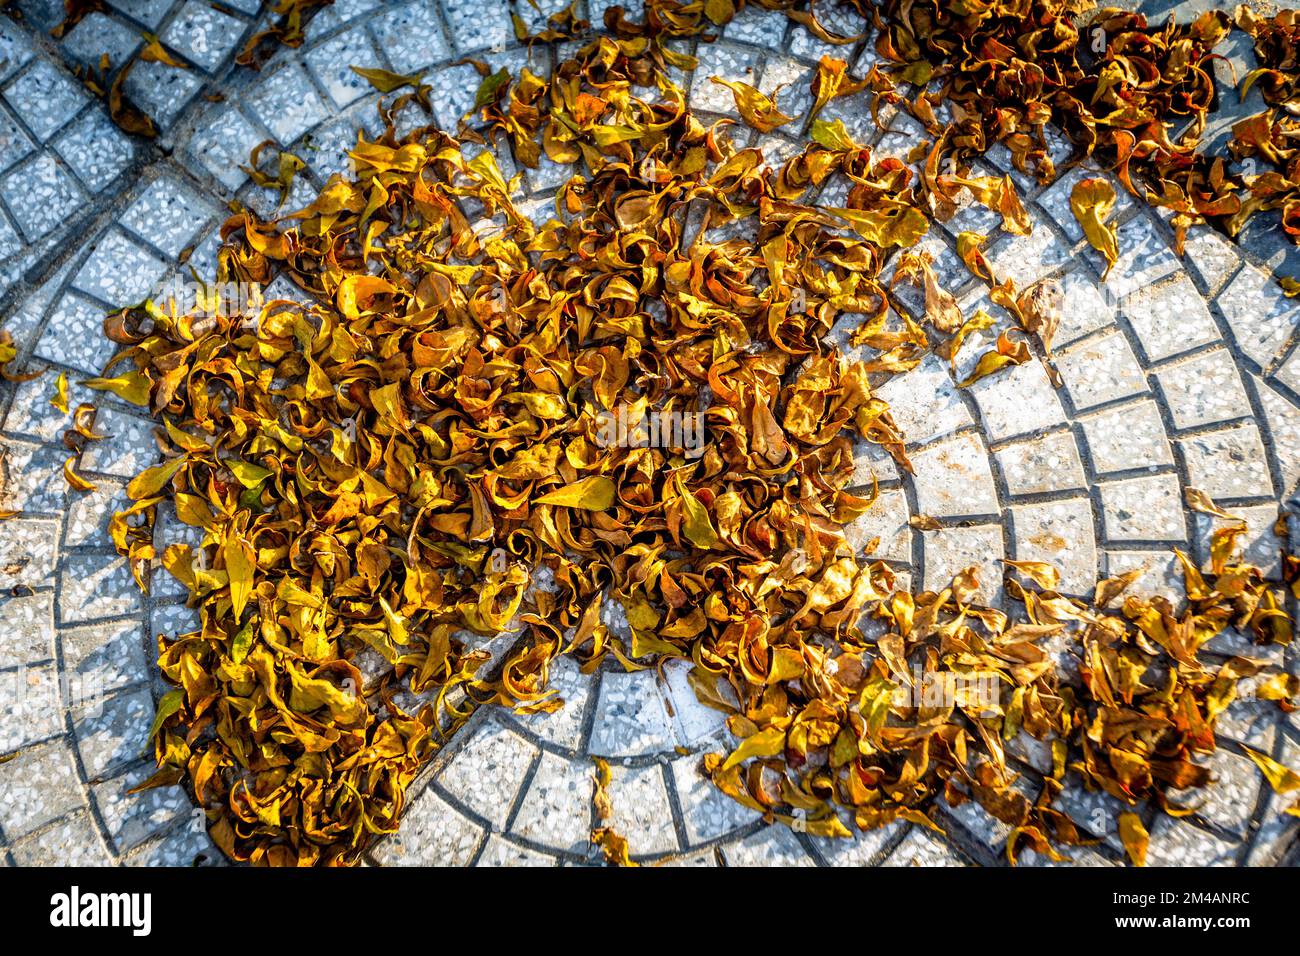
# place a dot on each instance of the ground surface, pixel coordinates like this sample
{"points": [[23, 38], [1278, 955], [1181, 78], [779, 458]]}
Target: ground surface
{"points": [[1176, 374]]}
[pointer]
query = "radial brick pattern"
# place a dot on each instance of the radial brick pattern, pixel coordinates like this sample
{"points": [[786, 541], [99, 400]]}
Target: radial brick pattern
{"points": [[1176, 373]]}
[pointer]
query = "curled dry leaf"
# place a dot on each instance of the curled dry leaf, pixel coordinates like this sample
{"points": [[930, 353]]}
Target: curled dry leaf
{"points": [[1092, 201]]}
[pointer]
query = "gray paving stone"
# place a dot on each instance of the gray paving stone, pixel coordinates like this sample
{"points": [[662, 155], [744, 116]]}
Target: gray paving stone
{"points": [[887, 520], [88, 516], [108, 656], [556, 808], [1228, 464], [73, 841], [564, 727], [980, 824], [922, 848], [38, 785], [1040, 465], [15, 49], [768, 846], [1126, 437], [501, 852], [27, 620], [148, 12], [752, 26], [33, 477], [119, 271], [286, 103], [1230, 803], [1284, 428], [1170, 318], [1277, 832], [1250, 722], [454, 88], [332, 63], [127, 448], [487, 771], [74, 336], [952, 478], [173, 620], [1060, 533], [1230, 642], [411, 36], [1017, 401], [45, 98], [952, 550], [727, 62], [203, 34], [10, 241], [1177, 843], [431, 832], [1203, 390], [181, 846], [99, 35], [95, 149], [29, 706], [133, 818], [1055, 200], [14, 143], [113, 734], [1259, 315], [1212, 256], [630, 717], [1143, 509], [167, 214], [641, 811], [1260, 546], [161, 91], [1277, 829], [41, 194], [1144, 259], [337, 14], [707, 812], [1026, 259], [1101, 370], [222, 143], [45, 14], [28, 551], [840, 21], [95, 586], [1163, 577], [692, 721], [478, 24], [34, 416], [864, 847], [925, 402], [1086, 310]]}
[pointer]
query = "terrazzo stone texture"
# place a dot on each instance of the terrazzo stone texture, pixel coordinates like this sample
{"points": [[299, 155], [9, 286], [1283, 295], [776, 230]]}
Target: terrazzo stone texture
{"points": [[1176, 374]]}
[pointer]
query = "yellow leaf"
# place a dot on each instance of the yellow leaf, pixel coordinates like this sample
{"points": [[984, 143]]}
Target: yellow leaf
{"points": [[1092, 200], [766, 743], [240, 564], [594, 493], [60, 399], [152, 480], [1134, 837], [73, 479], [699, 529], [132, 387], [1282, 779]]}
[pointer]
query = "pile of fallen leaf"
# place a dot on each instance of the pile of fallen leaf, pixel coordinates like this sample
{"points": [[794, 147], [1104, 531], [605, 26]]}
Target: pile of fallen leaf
{"points": [[412, 463]]}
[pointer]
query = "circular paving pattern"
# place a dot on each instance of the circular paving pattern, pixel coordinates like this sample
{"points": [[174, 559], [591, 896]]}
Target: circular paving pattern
{"points": [[1176, 373]]}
